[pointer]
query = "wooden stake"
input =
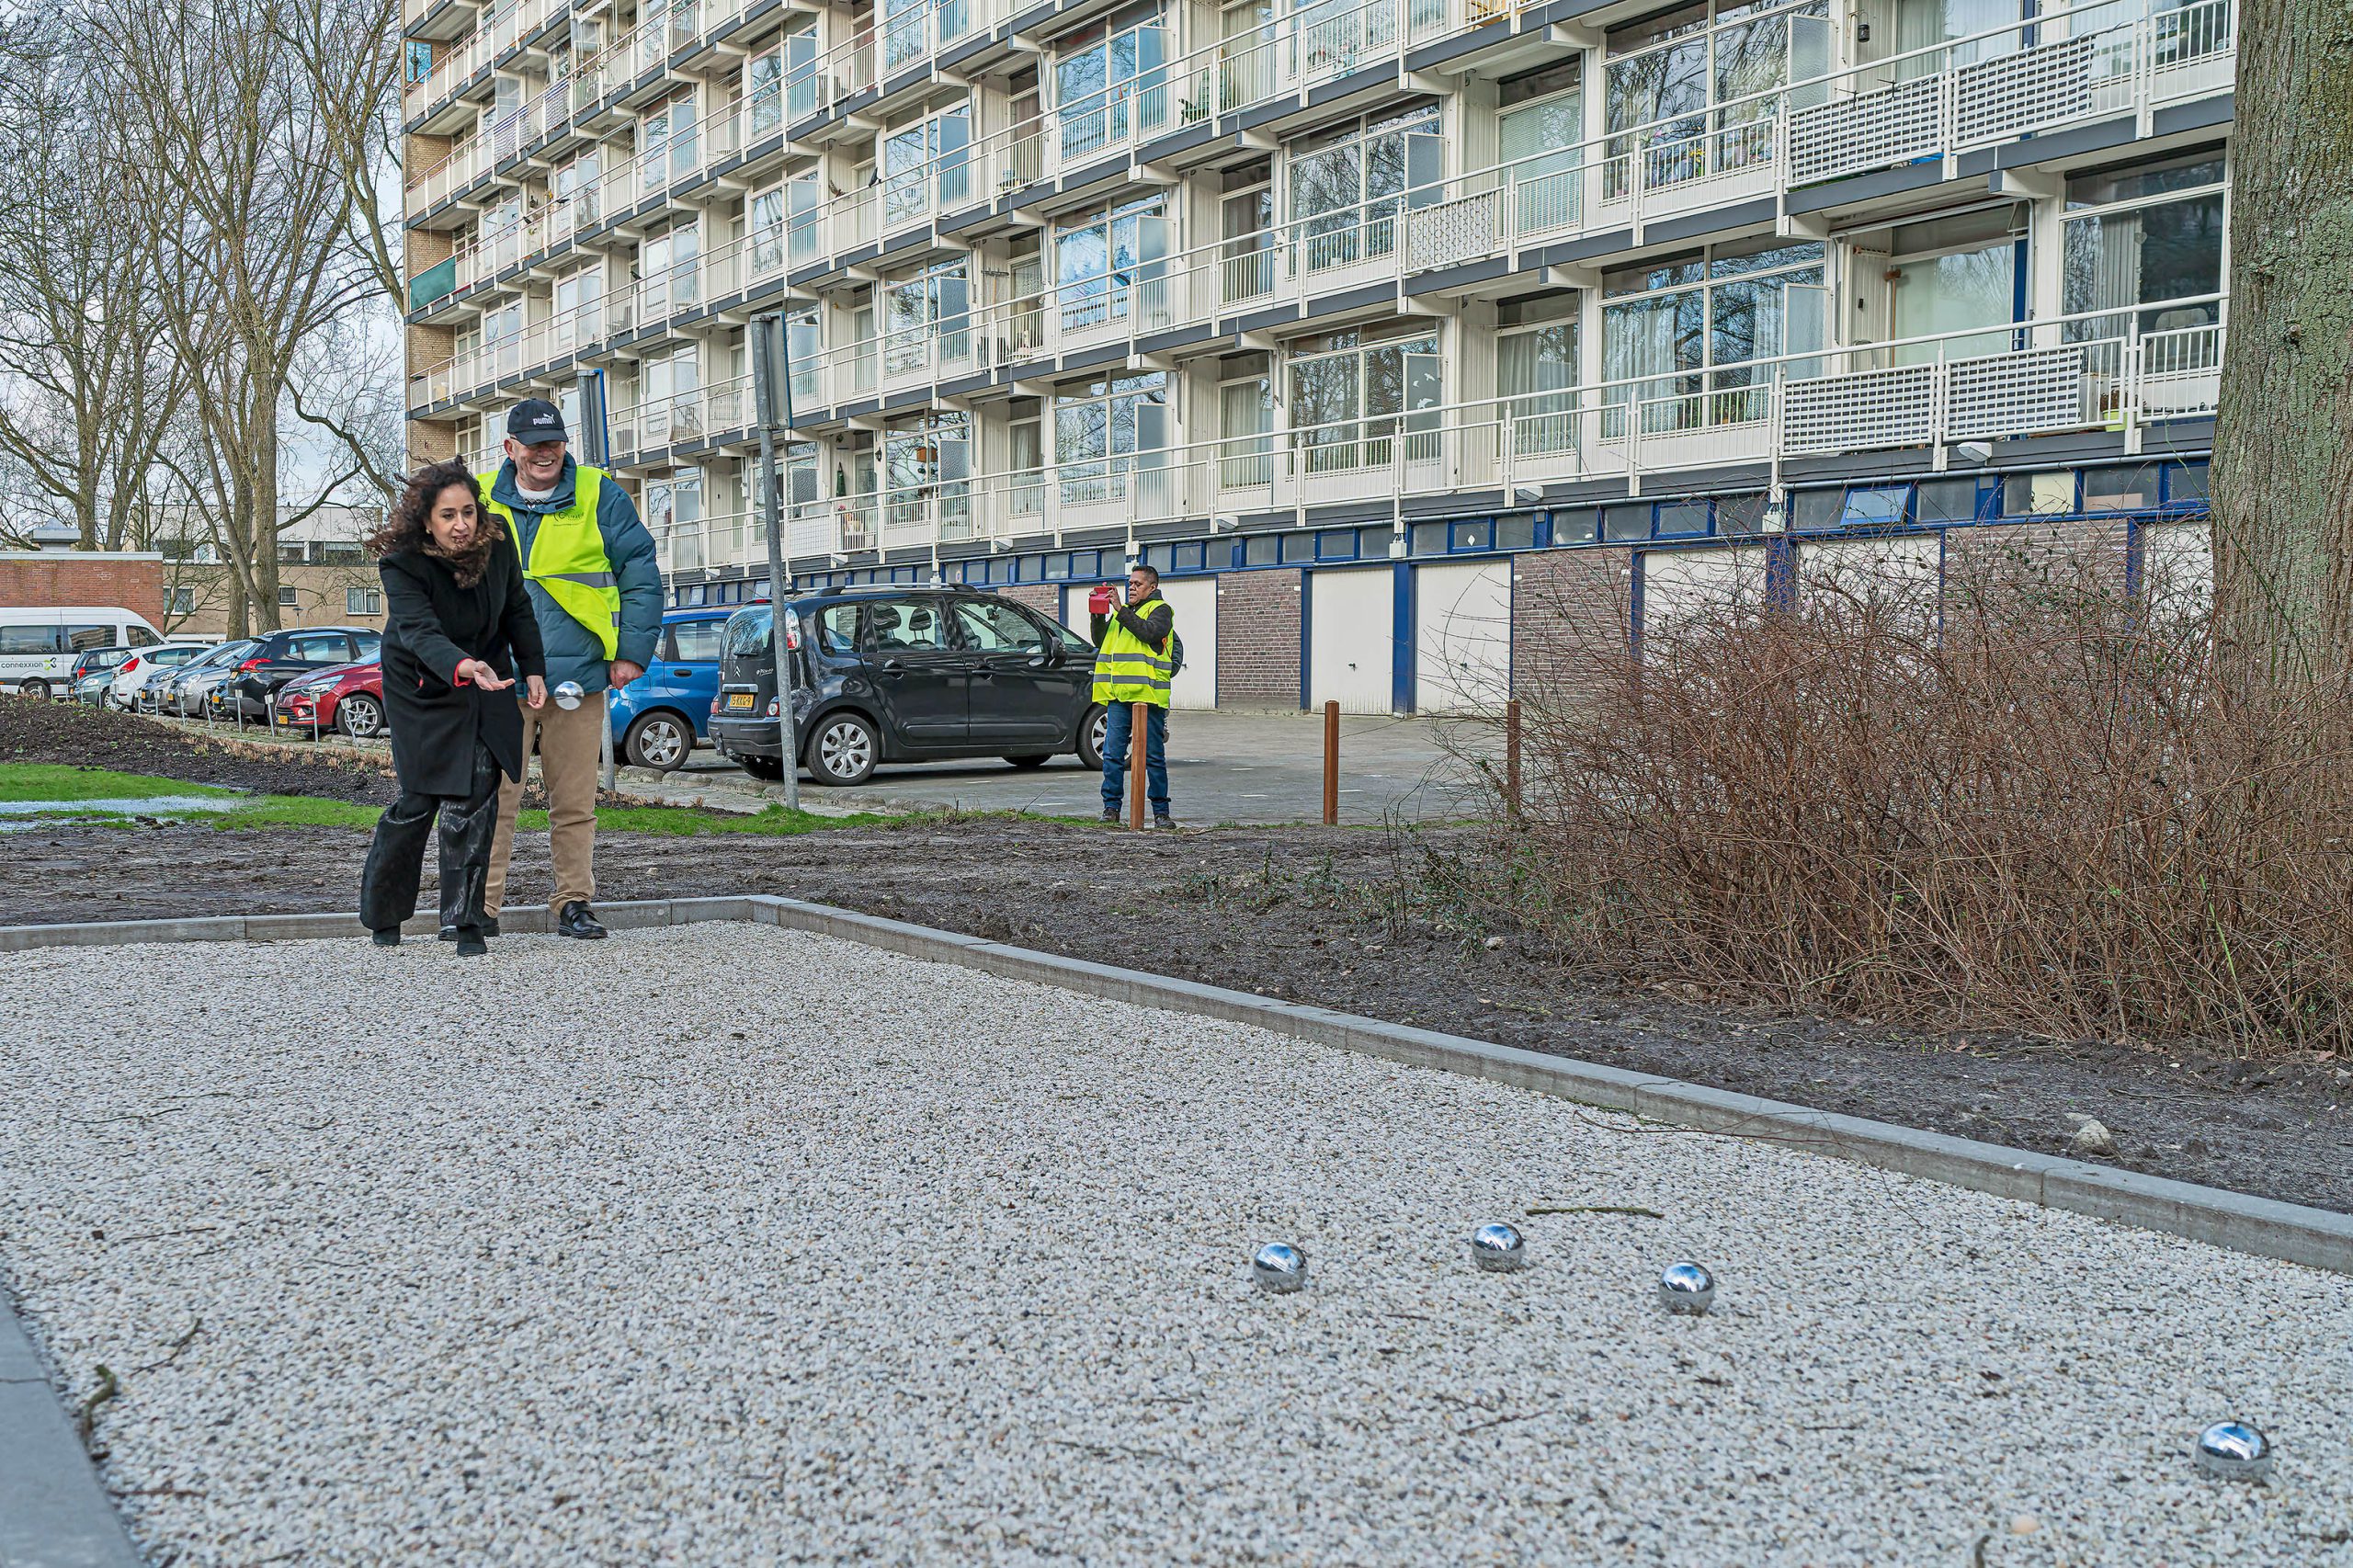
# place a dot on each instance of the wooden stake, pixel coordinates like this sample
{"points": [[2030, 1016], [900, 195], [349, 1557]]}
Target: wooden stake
{"points": [[1138, 714], [1511, 756], [1331, 763]]}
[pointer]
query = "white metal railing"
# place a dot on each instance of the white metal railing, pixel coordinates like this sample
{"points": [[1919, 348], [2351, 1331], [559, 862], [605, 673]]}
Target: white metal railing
{"points": [[497, 29]]}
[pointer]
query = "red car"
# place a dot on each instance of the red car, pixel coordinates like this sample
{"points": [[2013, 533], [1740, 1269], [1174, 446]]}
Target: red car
{"points": [[349, 698]]}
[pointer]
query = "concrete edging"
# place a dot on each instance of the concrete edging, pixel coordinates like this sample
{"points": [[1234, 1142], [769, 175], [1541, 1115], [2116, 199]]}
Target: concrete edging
{"points": [[53, 1511]]}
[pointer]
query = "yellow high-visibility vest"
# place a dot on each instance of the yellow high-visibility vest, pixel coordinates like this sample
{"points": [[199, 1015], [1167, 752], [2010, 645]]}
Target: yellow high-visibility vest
{"points": [[567, 557], [1128, 668]]}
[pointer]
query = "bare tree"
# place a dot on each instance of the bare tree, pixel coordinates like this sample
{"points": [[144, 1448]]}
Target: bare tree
{"points": [[2283, 438], [86, 388], [222, 152]]}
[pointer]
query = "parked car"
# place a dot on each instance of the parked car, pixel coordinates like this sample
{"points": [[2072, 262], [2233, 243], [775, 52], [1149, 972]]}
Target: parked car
{"points": [[277, 657], [85, 679], [660, 718], [182, 691], [349, 698], [901, 674], [134, 674], [39, 643]]}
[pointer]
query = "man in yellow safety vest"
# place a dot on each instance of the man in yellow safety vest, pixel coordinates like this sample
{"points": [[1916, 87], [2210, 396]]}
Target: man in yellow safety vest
{"points": [[596, 583], [1135, 661]]}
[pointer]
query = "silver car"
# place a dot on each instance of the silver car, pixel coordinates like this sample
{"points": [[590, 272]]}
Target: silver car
{"points": [[182, 693]]}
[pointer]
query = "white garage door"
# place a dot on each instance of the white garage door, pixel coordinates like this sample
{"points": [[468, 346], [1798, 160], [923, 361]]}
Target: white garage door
{"points": [[1462, 637], [1195, 601], [1903, 573], [2178, 565], [1352, 639], [1695, 587]]}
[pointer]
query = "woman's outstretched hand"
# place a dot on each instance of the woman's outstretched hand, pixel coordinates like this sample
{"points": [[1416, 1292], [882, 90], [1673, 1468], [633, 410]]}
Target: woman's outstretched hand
{"points": [[481, 674], [535, 691]]}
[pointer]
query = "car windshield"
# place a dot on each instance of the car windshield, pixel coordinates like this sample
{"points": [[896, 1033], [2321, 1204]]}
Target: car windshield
{"points": [[747, 634]]}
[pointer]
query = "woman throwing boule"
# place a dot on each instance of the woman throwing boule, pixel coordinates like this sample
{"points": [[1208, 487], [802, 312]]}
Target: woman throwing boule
{"points": [[459, 631]]}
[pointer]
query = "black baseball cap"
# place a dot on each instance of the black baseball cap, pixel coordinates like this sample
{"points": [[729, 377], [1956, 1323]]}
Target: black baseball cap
{"points": [[534, 420]]}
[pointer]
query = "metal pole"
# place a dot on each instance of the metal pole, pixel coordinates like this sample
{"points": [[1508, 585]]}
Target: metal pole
{"points": [[772, 393], [1137, 718], [1331, 763]]}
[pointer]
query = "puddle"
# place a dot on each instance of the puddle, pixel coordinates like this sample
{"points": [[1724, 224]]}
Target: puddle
{"points": [[15, 816]]}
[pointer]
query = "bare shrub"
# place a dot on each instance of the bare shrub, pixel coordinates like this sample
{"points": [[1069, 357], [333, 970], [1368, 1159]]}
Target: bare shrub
{"points": [[2018, 797]]}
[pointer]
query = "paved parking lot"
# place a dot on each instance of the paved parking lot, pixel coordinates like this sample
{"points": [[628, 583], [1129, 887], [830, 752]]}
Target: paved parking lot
{"points": [[1222, 767]]}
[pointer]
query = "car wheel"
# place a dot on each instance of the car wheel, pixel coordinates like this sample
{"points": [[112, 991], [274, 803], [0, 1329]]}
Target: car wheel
{"points": [[36, 689], [843, 751], [1091, 730], [660, 740], [1034, 759], [360, 716], [765, 767]]}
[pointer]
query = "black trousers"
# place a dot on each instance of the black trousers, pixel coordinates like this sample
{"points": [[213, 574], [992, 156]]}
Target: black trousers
{"points": [[396, 855]]}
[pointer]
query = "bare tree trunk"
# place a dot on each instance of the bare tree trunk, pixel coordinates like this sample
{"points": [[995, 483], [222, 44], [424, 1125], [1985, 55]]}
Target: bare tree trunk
{"points": [[2283, 438]]}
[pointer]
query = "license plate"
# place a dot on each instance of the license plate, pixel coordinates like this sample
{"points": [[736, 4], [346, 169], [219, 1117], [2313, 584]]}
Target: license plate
{"points": [[739, 702]]}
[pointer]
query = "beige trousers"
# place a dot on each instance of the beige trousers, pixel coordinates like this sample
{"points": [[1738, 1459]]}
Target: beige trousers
{"points": [[571, 754]]}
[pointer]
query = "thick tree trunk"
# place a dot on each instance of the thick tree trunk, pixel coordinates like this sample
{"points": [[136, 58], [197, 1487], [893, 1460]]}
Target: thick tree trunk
{"points": [[2283, 440]]}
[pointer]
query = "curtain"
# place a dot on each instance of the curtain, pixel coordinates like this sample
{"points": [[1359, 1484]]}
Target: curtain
{"points": [[1952, 293]]}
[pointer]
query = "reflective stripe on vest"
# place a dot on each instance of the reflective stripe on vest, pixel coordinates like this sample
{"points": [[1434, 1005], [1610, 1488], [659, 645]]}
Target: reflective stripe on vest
{"points": [[1128, 668], [567, 557]]}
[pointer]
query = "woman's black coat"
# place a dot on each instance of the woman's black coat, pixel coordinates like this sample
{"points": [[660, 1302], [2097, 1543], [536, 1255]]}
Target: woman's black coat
{"points": [[431, 624]]}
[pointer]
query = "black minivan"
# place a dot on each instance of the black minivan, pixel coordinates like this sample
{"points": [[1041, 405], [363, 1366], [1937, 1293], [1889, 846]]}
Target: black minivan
{"points": [[906, 674]]}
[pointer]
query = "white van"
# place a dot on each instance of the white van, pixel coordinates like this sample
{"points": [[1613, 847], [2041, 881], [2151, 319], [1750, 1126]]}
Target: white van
{"points": [[39, 643]]}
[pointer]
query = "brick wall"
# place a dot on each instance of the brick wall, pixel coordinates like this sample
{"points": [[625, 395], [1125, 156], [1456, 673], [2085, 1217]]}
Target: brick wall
{"points": [[2024, 555], [1570, 613], [84, 577], [1046, 598], [1257, 639]]}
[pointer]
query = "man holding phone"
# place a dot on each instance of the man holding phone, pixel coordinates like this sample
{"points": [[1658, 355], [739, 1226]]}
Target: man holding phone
{"points": [[1135, 661]]}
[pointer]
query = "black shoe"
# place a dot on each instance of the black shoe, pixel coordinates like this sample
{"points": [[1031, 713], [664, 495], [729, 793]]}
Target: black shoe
{"points": [[1111, 814], [578, 920], [489, 929], [1163, 820], [470, 942], [389, 936]]}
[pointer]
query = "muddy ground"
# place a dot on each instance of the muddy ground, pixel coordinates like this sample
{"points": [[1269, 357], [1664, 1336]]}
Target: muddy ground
{"points": [[1330, 917]]}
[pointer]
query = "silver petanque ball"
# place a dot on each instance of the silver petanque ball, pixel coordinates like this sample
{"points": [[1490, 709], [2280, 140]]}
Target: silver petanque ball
{"points": [[1498, 1249], [567, 695], [1686, 1288], [2235, 1451], [1279, 1268]]}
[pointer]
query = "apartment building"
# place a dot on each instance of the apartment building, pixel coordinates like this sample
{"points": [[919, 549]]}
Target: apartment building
{"points": [[1391, 331]]}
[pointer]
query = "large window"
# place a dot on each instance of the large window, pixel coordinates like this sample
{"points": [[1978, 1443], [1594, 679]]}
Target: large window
{"points": [[1349, 186], [930, 311], [669, 272], [1535, 371], [1100, 429], [2148, 237], [1097, 258], [1677, 336], [800, 67], [925, 459], [1952, 274], [1543, 124], [1692, 88], [1349, 389], [1246, 419], [1100, 72], [924, 162]]}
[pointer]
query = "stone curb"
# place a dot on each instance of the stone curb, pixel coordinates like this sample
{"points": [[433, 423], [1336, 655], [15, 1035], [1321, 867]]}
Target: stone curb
{"points": [[53, 1512]]}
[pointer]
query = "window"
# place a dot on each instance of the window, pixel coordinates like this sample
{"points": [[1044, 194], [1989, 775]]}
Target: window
{"points": [[1100, 430], [800, 67], [1682, 518], [1944, 501], [2147, 236], [2039, 495], [1515, 533], [419, 59], [1348, 187], [371, 645], [908, 625], [30, 640], [1245, 406], [697, 641], [1579, 527], [1298, 547], [926, 457], [924, 162], [1337, 544], [1247, 227], [363, 601], [288, 598], [1536, 371], [763, 94], [1098, 71], [669, 276], [2130, 488], [1816, 508], [1347, 393], [836, 629], [319, 648], [2187, 482], [179, 601], [1883, 504], [1682, 334], [1543, 124], [927, 312], [1740, 514], [1950, 273], [1692, 88], [1261, 549], [997, 628], [1100, 261], [1629, 522]]}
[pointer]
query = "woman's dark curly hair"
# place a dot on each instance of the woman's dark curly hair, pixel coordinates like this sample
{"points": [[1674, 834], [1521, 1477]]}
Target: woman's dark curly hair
{"points": [[406, 529]]}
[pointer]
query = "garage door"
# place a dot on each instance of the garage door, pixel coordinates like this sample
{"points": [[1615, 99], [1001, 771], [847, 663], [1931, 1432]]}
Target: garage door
{"points": [[1352, 638], [2178, 566], [1698, 587], [1904, 573], [1462, 637], [1195, 601]]}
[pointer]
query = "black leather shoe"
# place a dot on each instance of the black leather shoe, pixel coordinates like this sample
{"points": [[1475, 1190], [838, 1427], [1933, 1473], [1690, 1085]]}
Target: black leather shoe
{"points": [[470, 942], [1163, 820], [388, 938], [489, 929], [578, 920], [1112, 813]]}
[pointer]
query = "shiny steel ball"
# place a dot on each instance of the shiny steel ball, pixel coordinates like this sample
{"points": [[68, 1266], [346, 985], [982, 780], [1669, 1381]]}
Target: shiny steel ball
{"points": [[2235, 1451], [1279, 1268], [1686, 1288], [567, 694], [1498, 1249]]}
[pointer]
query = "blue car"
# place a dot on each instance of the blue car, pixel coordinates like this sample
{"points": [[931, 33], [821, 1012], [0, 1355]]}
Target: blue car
{"points": [[658, 719]]}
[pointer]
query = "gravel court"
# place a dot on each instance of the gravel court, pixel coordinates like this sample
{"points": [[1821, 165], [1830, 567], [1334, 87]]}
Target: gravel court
{"points": [[895, 1262]]}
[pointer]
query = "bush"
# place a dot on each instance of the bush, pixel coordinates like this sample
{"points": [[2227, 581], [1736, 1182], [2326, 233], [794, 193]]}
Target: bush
{"points": [[2018, 800]]}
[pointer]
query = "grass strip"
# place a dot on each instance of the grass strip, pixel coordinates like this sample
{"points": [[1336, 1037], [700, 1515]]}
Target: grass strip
{"points": [[58, 781]]}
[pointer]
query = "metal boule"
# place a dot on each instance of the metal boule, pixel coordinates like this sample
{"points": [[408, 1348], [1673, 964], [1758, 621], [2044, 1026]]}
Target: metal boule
{"points": [[1498, 1249], [1686, 1288], [1279, 1268], [2235, 1451], [567, 694]]}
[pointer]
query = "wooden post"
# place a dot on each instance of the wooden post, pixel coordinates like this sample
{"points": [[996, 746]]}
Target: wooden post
{"points": [[1138, 714], [1331, 763], [1511, 756]]}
